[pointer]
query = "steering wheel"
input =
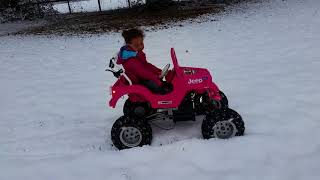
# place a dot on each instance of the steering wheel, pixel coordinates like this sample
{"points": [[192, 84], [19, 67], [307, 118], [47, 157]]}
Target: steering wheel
{"points": [[165, 71]]}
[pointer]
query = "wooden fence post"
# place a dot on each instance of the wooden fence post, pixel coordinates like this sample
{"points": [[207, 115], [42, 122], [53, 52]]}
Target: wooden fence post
{"points": [[69, 6], [129, 3], [99, 5], [39, 9]]}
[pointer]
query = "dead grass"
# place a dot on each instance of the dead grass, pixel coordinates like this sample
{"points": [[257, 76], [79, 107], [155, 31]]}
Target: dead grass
{"points": [[92, 23]]}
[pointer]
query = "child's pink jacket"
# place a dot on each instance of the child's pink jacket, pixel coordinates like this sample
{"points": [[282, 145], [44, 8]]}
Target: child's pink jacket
{"points": [[136, 66]]}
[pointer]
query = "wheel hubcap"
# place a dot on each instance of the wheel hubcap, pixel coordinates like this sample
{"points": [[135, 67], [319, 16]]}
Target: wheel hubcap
{"points": [[224, 129], [130, 136]]}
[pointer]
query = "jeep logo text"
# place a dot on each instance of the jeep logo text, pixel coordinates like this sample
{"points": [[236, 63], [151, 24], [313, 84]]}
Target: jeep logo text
{"points": [[195, 81]]}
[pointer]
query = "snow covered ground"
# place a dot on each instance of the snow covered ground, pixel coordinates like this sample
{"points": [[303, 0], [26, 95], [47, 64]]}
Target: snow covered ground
{"points": [[54, 122]]}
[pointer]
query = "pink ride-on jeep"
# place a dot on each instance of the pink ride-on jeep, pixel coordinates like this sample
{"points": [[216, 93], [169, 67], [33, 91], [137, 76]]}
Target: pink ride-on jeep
{"points": [[192, 93]]}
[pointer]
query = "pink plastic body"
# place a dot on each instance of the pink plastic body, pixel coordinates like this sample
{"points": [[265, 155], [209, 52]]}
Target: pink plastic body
{"points": [[185, 80]]}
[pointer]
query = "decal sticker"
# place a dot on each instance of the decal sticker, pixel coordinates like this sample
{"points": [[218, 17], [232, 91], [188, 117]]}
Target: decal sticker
{"points": [[164, 102], [195, 81]]}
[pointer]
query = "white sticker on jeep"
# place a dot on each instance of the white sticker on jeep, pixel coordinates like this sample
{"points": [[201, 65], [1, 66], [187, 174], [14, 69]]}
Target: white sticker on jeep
{"points": [[195, 81], [164, 102]]}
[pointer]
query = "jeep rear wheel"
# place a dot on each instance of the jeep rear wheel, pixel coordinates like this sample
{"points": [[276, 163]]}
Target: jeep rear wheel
{"points": [[224, 100], [223, 124]]}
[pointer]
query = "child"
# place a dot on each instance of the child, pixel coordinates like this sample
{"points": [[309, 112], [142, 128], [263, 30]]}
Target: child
{"points": [[135, 63]]}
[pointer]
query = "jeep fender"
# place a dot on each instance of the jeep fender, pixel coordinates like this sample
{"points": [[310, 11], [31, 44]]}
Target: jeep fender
{"points": [[118, 92]]}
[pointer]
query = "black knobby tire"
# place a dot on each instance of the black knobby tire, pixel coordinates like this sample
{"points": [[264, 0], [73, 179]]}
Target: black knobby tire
{"points": [[224, 100], [127, 107], [209, 105], [126, 121], [136, 109], [220, 115]]}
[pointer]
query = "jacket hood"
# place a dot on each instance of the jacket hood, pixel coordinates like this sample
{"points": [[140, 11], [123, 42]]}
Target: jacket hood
{"points": [[125, 54]]}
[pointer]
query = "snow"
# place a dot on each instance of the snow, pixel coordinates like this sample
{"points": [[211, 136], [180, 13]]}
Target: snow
{"points": [[54, 122], [90, 5]]}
